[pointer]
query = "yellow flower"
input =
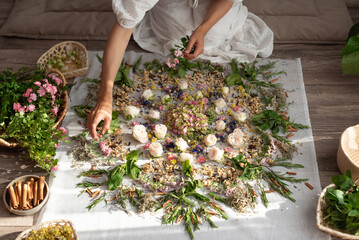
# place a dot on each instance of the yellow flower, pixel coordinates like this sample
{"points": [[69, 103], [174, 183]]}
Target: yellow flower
{"points": [[153, 87], [173, 161]]}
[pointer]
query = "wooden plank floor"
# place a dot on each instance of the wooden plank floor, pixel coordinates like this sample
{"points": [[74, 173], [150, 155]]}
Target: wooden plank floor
{"points": [[333, 104]]}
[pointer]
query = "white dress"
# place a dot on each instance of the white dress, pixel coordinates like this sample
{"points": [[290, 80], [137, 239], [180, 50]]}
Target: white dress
{"points": [[160, 24]]}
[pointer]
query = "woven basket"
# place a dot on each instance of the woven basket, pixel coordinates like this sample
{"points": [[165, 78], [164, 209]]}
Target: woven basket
{"points": [[60, 116], [24, 234], [63, 47], [322, 204]]}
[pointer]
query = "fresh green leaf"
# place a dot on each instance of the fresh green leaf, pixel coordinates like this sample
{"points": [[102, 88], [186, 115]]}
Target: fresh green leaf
{"points": [[350, 63], [115, 177], [343, 181]]}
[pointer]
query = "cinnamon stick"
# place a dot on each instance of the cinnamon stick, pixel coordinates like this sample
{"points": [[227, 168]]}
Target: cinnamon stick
{"points": [[32, 188], [13, 199], [41, 188], [36, 201], [18, 193], [24, 197]]}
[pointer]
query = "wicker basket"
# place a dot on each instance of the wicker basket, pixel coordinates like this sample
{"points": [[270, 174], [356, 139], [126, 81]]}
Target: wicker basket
{"points": [[60, 116], [322, 203], [24, 234], [63, 47]]}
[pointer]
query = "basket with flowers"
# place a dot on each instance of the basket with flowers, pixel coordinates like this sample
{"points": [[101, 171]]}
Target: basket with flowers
{"points": [[33, 103]]}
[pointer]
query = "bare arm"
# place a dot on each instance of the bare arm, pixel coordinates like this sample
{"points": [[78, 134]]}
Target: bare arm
{"points": [[112, 58], [217, 9]]}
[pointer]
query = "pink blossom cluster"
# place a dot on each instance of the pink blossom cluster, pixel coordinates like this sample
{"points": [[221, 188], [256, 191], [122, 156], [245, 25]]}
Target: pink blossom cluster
{"points": [[44, 88], [56, 79], [237, 108], [201, 159], [172, 63], [105, 149], [18, 108], [30, 95], [63, 130]]}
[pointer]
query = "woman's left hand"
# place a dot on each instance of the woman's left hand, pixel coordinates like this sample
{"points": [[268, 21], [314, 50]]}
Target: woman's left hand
{"points": [[197, 41]]}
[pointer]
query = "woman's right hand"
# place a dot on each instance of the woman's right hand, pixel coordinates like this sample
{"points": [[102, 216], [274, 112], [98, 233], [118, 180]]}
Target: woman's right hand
{"points": [[102, 111]]}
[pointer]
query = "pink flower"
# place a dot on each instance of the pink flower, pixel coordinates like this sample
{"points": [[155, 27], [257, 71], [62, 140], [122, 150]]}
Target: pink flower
{"points": [[27, 93], [166, 88], [63, 130], [201, 159], [175, 61], [53, 89], [264, 161], [183, 95], [170, 156], [178, 53], [134, 123], [168, 62], [16, 106], [147, 145], [103, 145], [205, 101], [168, 140], [55, 167], [53, 100], [56, 79], [32, 97], [41, 92], [161, 107], [107, 152], [55, 110], [30, 108], [22, 109], [38, 83], [201, 86], [228, 149], [222, 118], [237, 108], [45, 80]]}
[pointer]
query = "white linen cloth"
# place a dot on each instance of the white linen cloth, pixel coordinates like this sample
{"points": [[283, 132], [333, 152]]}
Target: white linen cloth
{"points": [[239, 34], [283, 219]]}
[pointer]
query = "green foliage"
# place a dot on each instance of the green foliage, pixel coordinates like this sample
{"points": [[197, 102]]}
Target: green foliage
{"points": [[122, 77], [33, 130], [245, 73], [269, 119], [342, 211], [350, 52]]}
